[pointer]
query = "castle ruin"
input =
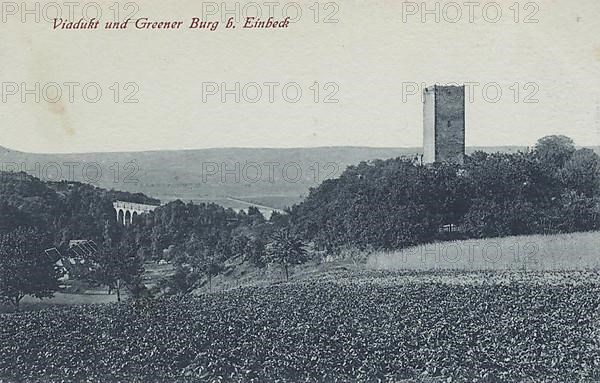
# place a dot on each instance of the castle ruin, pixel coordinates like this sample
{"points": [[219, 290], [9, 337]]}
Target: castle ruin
{"points": [[444, 124]]}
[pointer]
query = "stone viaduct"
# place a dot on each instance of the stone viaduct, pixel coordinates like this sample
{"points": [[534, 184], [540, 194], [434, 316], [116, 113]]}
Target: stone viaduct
{"points": [[128, 211]]}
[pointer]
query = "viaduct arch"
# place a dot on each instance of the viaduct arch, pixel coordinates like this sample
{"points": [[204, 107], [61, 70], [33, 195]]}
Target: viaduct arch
{"points": [[128, 211]]}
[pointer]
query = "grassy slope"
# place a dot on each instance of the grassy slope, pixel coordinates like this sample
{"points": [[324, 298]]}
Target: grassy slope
{"points": [[532, 252]]}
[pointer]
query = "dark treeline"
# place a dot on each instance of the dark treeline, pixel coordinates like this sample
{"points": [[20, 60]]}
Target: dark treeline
{"points": [[395, 203]]}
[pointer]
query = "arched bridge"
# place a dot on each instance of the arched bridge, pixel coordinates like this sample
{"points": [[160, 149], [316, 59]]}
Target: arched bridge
{"points": [[128, 211]]}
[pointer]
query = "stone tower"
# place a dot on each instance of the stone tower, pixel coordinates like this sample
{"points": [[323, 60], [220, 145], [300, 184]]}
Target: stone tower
{"points": [[444, 124]]}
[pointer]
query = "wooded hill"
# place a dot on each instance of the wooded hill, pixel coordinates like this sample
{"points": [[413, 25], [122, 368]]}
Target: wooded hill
{"points": [[392, 204]]}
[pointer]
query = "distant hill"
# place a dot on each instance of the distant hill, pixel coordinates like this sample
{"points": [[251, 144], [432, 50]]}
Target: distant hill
{"points": [[273, 177]]}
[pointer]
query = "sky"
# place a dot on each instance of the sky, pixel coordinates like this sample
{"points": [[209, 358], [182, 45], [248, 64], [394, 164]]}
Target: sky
{"points": [[533, 69]]}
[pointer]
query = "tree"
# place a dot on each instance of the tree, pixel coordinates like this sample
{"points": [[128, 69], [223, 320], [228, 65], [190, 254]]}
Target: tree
{"points": [[579, 213], [118, 266], [254, 251], [581, 172], [117, 270], [12, 217], [184, 280], [211, 268], [554, 151], [238, 244], [254, 215], [286, 249], [25, 269]]}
